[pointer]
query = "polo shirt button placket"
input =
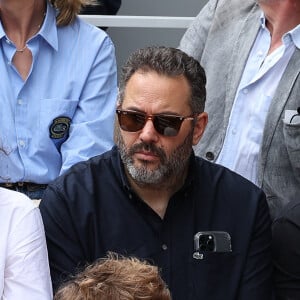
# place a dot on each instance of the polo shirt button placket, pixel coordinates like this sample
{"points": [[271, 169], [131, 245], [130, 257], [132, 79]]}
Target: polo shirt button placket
{"points": [[209, 156]]}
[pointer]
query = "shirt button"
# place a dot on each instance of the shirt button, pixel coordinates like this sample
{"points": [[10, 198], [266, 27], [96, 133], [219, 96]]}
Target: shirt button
{"points": [[233, 131], [209, 155], [7, 41], [9, 63], [21, 143], [245, 91], [20, 101], [164, 247]]}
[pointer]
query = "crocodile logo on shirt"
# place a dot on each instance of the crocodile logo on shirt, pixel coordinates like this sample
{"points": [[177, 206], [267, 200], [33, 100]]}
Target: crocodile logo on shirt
{"points": [[60, 127]]}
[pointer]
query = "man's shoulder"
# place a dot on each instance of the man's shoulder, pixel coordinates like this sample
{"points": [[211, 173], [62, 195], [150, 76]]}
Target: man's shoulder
{"points": [[218, 176], [86, 172], [102, 159], [226, 6], [226, 12], [230, 7]]}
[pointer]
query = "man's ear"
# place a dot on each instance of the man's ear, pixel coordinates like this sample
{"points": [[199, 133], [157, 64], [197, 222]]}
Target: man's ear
{"points": [[199, 127]]}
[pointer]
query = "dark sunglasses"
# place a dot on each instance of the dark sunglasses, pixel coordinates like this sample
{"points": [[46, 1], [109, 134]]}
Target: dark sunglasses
{"points": [[167, 125]]}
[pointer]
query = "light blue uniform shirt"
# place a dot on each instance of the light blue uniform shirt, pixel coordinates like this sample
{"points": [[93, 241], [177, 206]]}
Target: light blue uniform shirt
{"points": [[64, 111], [258, 85]]}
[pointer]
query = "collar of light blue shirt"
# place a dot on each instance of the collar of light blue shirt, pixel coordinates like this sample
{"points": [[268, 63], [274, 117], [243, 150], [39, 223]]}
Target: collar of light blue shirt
{"points": [[48, 32], [291, 36]]}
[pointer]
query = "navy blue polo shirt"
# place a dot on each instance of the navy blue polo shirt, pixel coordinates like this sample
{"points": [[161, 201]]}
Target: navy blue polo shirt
{"points": [[92, 210]]}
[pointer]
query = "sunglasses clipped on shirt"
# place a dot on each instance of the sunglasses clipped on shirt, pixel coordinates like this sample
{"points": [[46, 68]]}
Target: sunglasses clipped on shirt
{"points": [[296, 116], [166, 125]]}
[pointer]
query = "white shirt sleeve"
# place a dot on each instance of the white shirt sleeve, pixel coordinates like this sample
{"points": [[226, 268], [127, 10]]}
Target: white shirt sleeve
{"points": [[26, 273]]}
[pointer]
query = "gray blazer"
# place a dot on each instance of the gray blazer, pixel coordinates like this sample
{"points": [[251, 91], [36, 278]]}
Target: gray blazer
{"points": [[221, 38]]}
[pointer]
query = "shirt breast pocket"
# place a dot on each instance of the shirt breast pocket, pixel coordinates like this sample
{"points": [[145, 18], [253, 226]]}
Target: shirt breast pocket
{"points": [[56, 119], [215, 275]]}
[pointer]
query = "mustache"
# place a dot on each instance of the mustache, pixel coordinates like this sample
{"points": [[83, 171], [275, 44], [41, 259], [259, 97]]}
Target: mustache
{"points": [[149, 148]]}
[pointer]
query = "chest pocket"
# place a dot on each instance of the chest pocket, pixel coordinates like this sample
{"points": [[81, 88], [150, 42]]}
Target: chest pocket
{"points": [[56, 118], [291, 134], [216, 275]]}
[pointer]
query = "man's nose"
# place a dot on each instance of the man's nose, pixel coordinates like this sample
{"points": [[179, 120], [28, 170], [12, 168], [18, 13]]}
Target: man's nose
{"points": [[148, 133]]}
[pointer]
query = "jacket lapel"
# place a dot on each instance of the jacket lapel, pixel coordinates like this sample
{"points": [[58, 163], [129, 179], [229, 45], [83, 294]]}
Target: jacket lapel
{"points": [[277, 107], [243, 44]]}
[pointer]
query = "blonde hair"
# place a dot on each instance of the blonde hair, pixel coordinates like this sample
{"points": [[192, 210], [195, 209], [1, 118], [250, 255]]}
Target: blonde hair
{"points": [[68, 9], [116, 278]]}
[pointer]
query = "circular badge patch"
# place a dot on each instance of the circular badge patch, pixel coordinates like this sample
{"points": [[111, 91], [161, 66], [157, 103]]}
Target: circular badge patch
{"points": [[60, 127]]}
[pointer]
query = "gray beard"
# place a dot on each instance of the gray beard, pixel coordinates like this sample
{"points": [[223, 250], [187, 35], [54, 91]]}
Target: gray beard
{"points": [[168, 171]]}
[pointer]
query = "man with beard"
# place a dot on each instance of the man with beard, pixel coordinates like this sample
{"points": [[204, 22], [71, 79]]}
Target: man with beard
{"points": [[205, 227]]}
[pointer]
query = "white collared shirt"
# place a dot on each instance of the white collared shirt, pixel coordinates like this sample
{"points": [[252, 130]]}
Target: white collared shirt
{"points": [[258, 85], [24, 268]]}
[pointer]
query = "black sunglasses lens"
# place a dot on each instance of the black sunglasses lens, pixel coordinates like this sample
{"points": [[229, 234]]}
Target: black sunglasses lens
{"points": [[131, 121], [167, 125]]}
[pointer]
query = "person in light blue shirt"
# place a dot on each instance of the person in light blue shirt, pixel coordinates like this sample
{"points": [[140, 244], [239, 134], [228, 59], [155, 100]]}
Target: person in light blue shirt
{"points": [[57, 91], [250, 51]]}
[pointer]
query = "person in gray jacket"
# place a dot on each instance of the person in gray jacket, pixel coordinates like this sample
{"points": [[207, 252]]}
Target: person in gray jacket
{"points": [[250, 51]]}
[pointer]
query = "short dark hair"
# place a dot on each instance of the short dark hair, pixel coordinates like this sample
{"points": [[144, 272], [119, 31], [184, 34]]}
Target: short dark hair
{"points": [[115, 277], [170, 62]]}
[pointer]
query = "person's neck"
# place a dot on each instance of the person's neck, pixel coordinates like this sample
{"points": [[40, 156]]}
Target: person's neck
{"points": [[281, 17], [22, 19], [157, 196]]}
